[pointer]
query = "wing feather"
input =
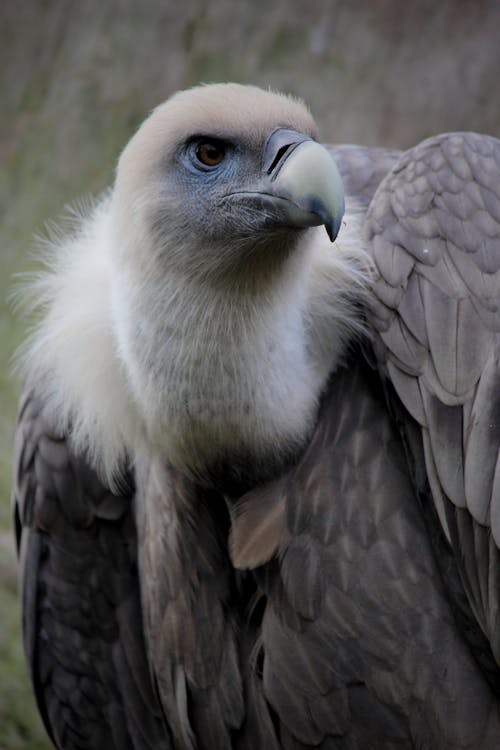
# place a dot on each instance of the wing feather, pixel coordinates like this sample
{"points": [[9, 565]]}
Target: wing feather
{"points": [[80, 598], [440, 206], [360, 613]]}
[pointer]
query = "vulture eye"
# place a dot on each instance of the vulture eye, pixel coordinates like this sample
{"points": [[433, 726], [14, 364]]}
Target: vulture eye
{"points": [[210, 153]]}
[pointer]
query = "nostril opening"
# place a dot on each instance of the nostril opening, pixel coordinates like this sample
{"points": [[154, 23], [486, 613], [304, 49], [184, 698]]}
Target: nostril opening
{"points": [[279, 155], [278, 148]]}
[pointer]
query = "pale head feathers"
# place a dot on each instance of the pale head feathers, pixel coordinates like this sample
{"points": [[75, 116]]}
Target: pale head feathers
{"points": [[138, 345], [232, 111], [220, 109]]}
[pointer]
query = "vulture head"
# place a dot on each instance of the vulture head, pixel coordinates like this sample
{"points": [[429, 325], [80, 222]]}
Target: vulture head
{"points": [[221, 173], [215, 245]]}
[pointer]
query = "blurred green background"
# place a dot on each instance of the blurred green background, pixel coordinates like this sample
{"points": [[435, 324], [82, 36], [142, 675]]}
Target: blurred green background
{"points": [[76, 78]]}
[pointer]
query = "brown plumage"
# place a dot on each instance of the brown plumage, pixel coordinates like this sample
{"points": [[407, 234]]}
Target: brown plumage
{"points": [[236, 581]]}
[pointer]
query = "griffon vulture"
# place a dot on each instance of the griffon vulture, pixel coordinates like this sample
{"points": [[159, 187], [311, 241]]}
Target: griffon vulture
{"points": [[257, 485]]}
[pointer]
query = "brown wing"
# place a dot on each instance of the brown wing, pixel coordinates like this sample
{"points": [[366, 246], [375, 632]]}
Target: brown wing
{"points": [[359, 644], [434, 225], [81, 611]]}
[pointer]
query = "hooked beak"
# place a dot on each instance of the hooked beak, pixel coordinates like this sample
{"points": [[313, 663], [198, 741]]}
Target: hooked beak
{"points": [[300, 185], [303, 175]]}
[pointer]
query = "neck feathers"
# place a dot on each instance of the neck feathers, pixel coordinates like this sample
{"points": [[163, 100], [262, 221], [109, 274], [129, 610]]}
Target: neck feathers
{"points": [[213, 374]]}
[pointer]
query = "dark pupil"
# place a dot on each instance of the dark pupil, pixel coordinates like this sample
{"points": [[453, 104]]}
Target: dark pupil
{"points": [[210, 153]]}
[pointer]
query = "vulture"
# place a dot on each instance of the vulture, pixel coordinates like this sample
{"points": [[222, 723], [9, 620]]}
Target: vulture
{"points": [[257, 475]]}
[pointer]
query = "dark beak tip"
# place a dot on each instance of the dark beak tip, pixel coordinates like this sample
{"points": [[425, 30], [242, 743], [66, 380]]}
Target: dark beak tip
{"points": [[333, 228], [332, 221]]}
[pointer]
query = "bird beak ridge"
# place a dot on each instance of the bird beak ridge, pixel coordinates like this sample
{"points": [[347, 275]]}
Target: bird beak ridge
{"points": [[303, 173]]}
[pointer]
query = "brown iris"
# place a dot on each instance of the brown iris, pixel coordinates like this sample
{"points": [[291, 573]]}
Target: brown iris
{"points": [[210, 153]]}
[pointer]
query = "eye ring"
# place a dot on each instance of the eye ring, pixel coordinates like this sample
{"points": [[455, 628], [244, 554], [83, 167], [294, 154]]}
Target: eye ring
{"points": [[210, 153]]}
